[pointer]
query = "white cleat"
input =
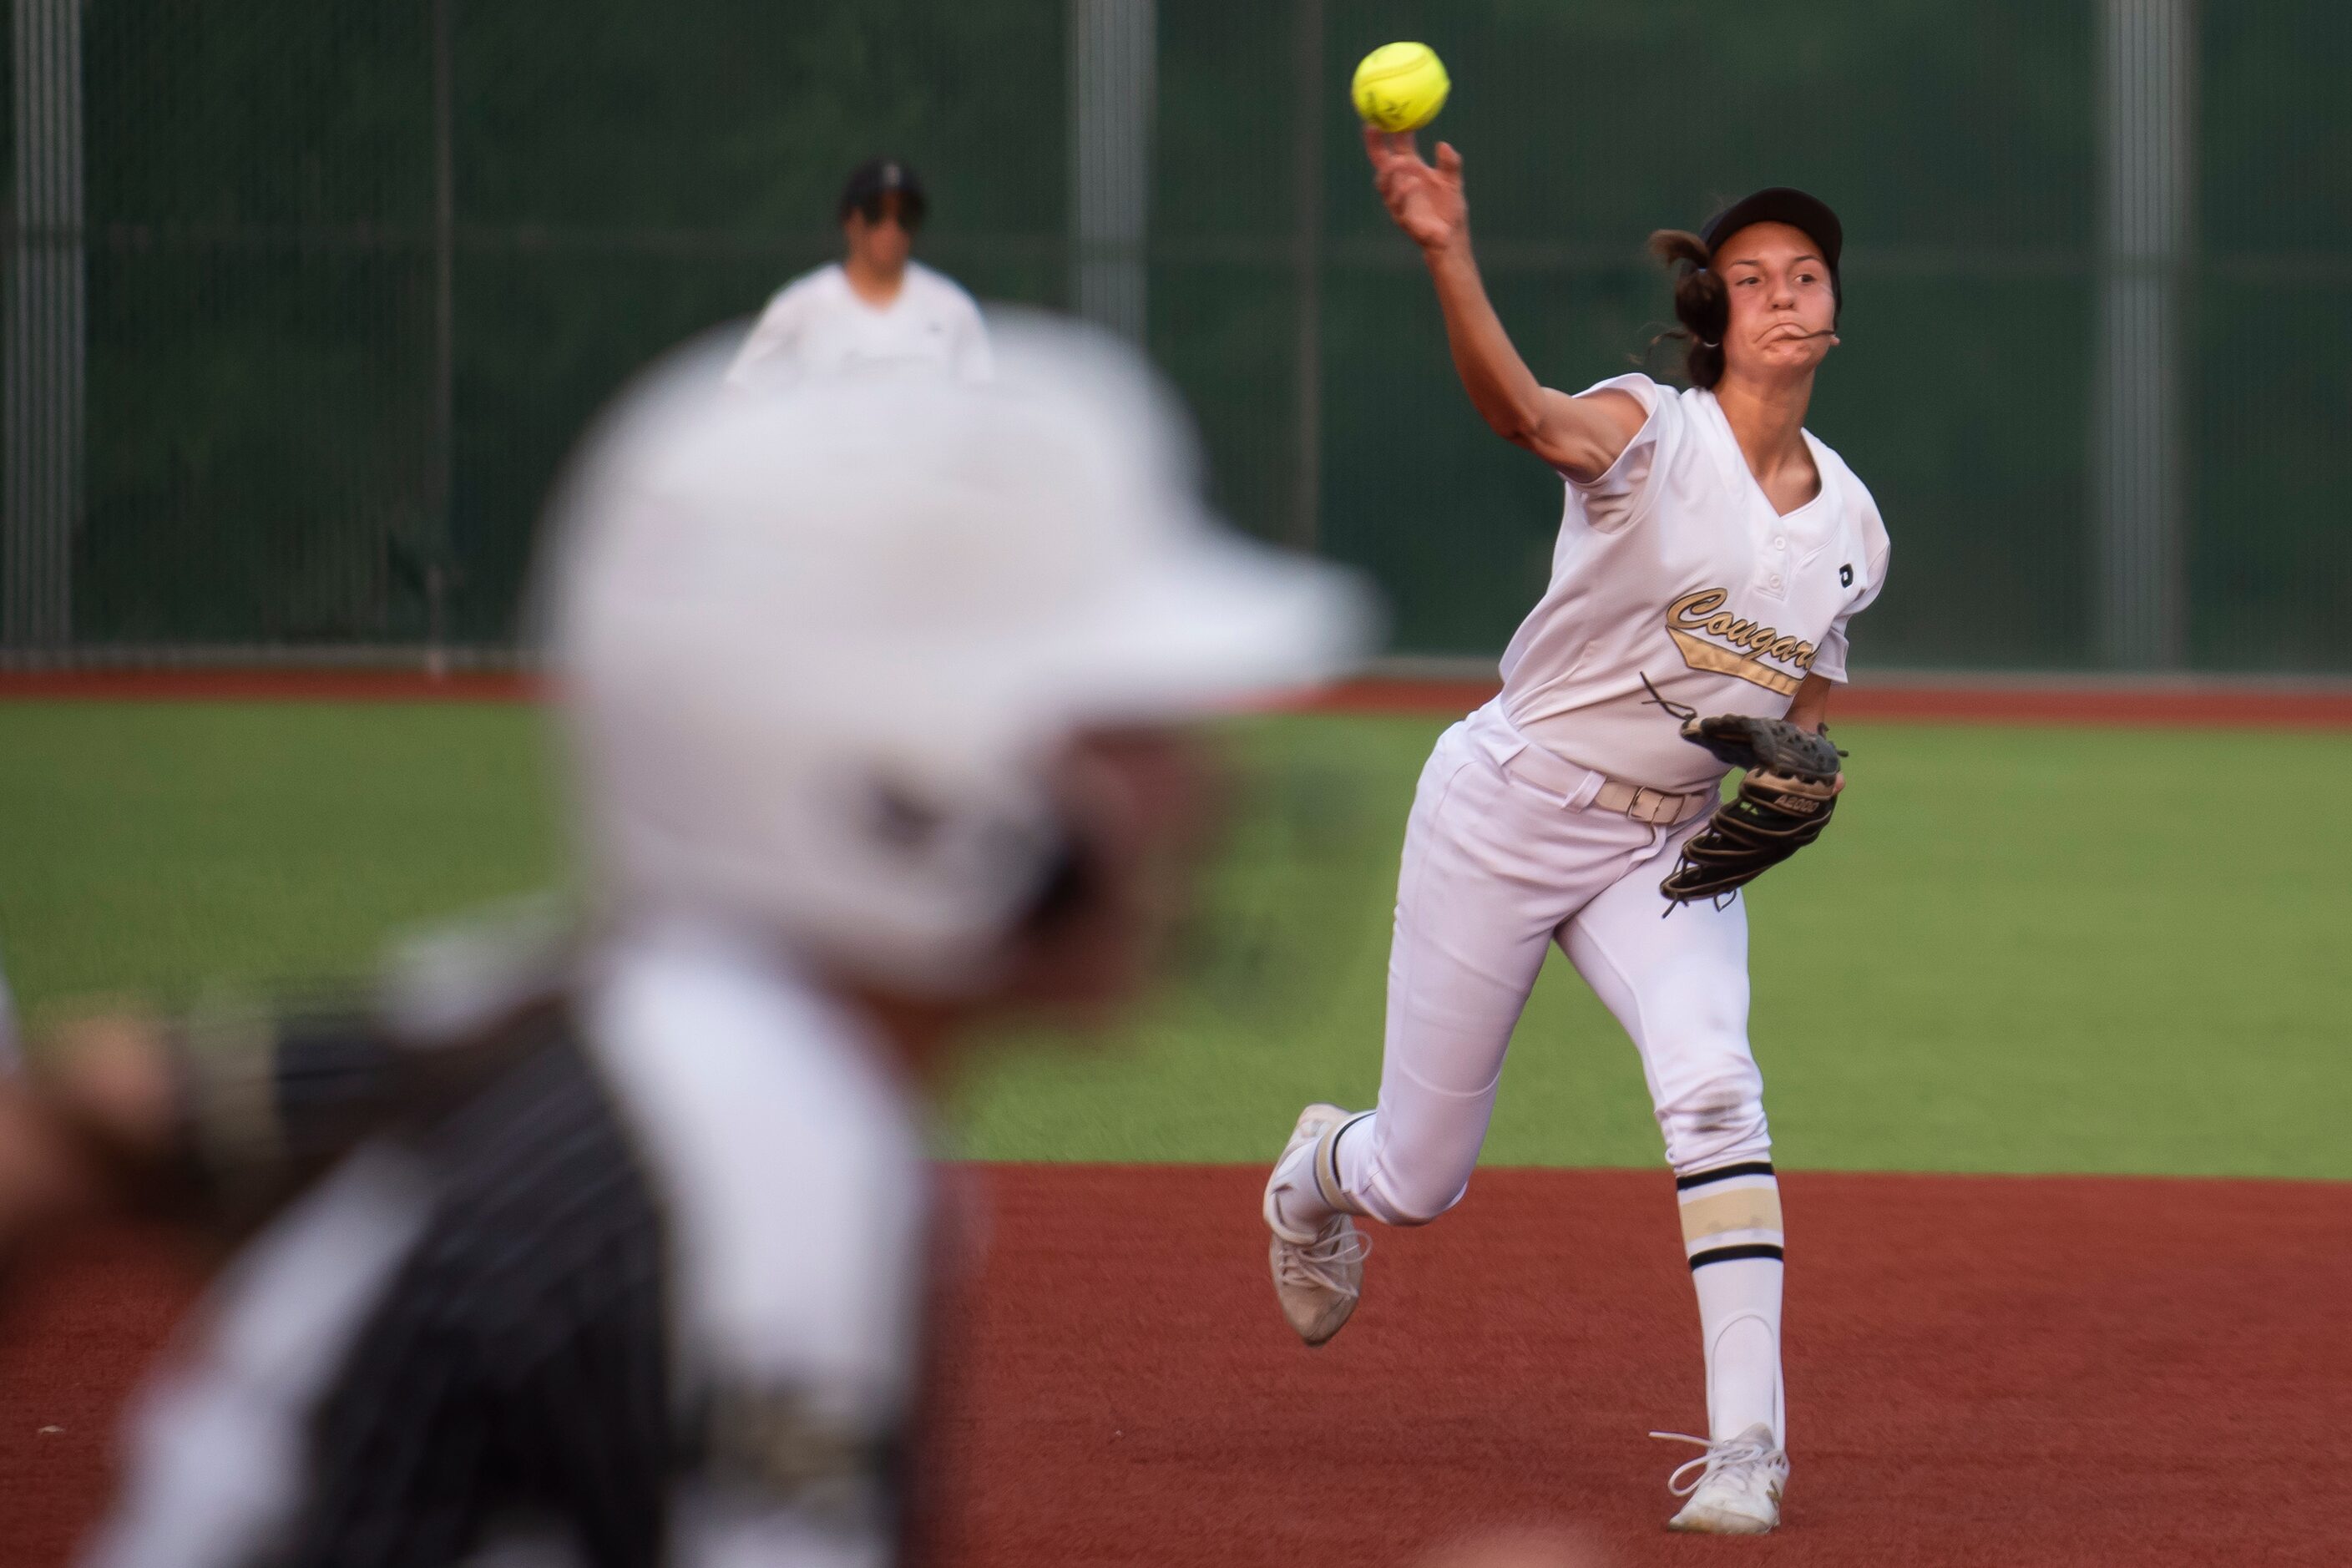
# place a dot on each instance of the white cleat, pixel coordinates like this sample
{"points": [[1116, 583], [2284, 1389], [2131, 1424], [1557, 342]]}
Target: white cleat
{"points": [[1737, 1489], [1317, 1276]]}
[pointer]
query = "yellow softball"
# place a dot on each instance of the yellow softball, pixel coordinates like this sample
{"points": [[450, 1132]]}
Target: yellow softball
{"points": [[1401, 87]]}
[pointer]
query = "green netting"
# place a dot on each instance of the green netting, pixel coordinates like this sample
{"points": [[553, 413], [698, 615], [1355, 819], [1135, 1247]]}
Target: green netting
{"points": [[2271, 554], [277, 452]]}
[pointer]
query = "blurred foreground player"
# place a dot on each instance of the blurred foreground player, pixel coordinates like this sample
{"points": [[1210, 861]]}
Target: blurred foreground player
{"points": [[877, 311], [870, 706]]}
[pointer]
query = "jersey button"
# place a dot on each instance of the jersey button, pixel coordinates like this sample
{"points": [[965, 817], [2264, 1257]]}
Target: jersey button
{"points": [[1776, 579], [1779, 541]]}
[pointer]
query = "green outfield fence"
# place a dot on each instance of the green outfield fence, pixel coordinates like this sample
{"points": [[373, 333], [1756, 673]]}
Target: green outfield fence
{"points": [[305, 297]]}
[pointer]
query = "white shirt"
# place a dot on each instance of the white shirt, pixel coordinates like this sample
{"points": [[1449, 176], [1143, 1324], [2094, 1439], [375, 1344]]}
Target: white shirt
{"points": [[816, 327], [759, 1099], [1673, 565]]}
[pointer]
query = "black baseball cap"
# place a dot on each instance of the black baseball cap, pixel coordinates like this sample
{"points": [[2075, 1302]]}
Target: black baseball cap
{"points": [[878, 177], [1783, 203]]}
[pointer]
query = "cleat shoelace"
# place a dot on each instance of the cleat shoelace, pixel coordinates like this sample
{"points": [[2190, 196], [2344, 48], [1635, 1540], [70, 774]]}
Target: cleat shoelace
{"points": [[1736, 1458], [1316, 1263]]}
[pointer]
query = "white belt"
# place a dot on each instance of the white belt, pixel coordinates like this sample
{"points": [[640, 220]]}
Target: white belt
{"points": [[1581, 788]]}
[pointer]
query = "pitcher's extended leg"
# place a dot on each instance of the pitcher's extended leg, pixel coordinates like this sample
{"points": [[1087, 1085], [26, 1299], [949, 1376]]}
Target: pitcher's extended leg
{"points": [[1679, 985], [1475, 909]]}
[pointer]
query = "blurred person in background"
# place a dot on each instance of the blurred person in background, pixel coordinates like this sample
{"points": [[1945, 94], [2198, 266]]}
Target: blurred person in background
{"points": [[875, 311], [603, 1239]]}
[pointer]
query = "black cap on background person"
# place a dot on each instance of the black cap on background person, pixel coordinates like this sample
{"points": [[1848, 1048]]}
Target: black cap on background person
{"points": [[875, 178]]}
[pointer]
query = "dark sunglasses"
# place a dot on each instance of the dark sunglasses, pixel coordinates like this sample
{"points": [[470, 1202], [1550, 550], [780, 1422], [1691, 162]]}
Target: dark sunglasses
{"points": [[910, 213]]}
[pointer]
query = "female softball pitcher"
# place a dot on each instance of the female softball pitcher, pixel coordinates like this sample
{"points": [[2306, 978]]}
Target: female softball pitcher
{"points": [[1710, 556]]}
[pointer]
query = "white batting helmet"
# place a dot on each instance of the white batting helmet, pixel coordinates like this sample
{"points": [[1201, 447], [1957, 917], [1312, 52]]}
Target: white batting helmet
{"points": [[817, 645]]}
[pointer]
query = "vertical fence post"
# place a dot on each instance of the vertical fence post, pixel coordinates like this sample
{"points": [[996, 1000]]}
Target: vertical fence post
{"points": [[1114, 70], [42, 359], [442, 458], [1307, 261], [2148, 185]]}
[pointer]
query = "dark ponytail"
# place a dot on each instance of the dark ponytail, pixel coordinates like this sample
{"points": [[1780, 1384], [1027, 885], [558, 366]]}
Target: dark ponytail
{"points": [[1701, 304]]}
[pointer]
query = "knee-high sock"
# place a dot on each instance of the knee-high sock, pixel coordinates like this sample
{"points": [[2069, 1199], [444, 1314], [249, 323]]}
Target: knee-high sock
{"points": [[1310, 1186], [1731, 1233]]}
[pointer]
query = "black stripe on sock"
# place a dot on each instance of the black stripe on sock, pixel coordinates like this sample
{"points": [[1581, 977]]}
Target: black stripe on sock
{"points": [[1345, 1128], [1732, 1254], [1753, 1168], [1328, 1155]]}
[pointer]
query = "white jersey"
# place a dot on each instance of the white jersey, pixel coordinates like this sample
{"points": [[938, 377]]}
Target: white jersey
{"points": [[816, 327], [1673, 565]]}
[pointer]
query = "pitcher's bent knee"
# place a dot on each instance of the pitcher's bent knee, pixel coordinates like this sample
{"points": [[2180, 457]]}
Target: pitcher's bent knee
{"points": [[1718, 1120]]}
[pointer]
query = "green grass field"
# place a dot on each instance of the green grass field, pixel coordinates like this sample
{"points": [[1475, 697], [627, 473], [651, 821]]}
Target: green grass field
{"points": [[2018, 949]]}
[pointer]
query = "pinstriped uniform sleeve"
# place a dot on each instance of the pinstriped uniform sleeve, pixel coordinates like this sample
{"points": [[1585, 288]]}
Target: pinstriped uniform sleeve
{"points": [[514, 1375]]}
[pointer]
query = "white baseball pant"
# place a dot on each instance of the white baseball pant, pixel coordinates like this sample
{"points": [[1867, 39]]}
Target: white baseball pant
{"points": [[1505, 854]]}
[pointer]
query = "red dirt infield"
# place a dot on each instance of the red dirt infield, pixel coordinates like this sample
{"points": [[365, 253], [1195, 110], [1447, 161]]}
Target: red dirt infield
{"points": [[2011, 1372], [2205, 705]]}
